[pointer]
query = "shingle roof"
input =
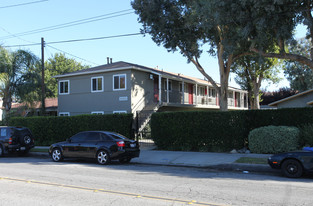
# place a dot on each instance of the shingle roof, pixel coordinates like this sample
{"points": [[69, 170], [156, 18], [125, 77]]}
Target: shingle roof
{"points": [[291, 97], [125, 65]]}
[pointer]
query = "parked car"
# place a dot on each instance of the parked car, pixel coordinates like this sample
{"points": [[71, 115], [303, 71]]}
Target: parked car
{"points": [[292, 164], [101, 145], [15, 139]]}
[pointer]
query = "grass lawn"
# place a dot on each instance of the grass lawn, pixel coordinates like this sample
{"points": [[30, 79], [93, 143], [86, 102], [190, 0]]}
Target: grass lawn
{"points": [[252, 160]]}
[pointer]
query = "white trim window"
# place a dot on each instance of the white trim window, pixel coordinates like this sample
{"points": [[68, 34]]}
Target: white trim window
{"points": [[97, 112], [169, 85], [97, 84], [119, 82], [64, 87], [64, 114], [119, 112]]}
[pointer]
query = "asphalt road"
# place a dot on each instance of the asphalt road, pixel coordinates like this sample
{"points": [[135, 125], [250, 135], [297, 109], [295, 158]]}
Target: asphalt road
{"points": [[39, 181]]}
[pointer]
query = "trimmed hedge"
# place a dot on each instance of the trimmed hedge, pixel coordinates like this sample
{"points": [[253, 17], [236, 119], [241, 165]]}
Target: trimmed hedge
{"points": [[307, 135], [219, 131], [274, 139], [198, 131], [48, 130]]}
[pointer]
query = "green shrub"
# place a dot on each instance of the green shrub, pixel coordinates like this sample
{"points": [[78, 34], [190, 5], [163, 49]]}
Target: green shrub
{"points": [[307, 134], [212, 131], [274, 139], [48, 130]]}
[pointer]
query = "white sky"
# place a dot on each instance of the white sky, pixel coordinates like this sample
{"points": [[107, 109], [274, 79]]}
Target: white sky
{"points": [[134, 49]]}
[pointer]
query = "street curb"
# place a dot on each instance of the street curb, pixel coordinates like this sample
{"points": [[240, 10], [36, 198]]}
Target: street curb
{"points": [[237, 167]]}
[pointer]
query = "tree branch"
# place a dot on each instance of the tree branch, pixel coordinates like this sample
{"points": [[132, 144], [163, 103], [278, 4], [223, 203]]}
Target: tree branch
{"points": [[292, 57]]}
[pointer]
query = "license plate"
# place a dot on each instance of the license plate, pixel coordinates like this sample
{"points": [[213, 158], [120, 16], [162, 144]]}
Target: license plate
{"points": [[132, 145], [22, 148]]}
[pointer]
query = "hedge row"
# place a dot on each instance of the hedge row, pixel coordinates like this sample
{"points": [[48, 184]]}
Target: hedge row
{"points": [[219, 131], [48, 130]]}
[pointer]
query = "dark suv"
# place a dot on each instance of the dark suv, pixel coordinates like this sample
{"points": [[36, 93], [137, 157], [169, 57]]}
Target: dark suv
{"points": [[15, 139]]}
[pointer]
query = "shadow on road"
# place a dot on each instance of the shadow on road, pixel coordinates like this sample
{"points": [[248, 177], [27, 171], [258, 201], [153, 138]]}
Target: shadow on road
{"points": [[188, 172]]}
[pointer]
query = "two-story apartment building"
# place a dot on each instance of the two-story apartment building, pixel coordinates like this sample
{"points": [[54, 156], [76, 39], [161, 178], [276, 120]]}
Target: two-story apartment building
{"points": [[123, 87]]}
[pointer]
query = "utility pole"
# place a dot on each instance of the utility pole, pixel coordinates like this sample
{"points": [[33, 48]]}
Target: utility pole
{"points": [[43, 93]]}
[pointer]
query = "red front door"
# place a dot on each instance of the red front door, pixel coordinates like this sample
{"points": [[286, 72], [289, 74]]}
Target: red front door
{"points": [[190, 90]]}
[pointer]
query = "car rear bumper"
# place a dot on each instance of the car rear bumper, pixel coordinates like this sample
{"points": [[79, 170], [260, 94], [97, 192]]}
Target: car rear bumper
{"points": [[126, 153], [19, 147]]}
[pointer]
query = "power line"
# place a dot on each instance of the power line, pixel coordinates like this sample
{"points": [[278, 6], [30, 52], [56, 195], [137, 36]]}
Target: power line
{"points": [[76, 40], [73, 55], [22, 4], [69, 24]]}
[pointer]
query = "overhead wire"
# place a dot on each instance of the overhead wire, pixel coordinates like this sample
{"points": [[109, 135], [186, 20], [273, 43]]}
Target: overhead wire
{"points": [[73, 55], [69, 24], [22, 4], [76, 40]]}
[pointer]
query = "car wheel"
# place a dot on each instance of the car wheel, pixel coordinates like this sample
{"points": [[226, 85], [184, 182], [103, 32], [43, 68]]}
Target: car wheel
{"points": [[103, 157], [125, 160], [56, 155], [1, 151], [25, 140], [292, 168]]}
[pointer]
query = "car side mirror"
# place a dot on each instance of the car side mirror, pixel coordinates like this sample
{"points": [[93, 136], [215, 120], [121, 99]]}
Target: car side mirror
{"points": [[68, 140]]}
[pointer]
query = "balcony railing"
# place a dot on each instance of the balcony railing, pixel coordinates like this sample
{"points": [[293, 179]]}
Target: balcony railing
{"points": [[177, 97]]}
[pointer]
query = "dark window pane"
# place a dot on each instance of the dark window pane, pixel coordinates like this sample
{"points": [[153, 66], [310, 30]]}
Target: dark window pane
{"points": [[61, 87], [117, 136], [105, 137], [116, 82], [93, 136], [94, 84], [65, 87], [79, 137]]}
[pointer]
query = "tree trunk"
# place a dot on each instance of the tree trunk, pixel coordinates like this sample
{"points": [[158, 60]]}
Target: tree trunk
{"points": [[256, 97], [223, 94]]}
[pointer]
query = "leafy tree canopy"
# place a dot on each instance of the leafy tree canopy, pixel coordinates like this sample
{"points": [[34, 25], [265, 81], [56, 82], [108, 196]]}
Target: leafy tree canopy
{"points": [[59, 64], [300, 76]]}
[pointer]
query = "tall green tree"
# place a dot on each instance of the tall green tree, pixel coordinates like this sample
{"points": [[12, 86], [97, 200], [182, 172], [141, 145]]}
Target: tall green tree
{"points": [[300, 76], [251, 71], [271, 23], [17, 75], [59, 64], [195, 26]]}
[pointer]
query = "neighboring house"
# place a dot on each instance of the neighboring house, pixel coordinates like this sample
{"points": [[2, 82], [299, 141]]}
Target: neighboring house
{"points": [[51, 107], [303, 99], [123, 87]]}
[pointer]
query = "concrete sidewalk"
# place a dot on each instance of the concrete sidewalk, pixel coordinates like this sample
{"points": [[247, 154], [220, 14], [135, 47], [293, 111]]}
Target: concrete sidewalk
{"points": [[219, 161]]}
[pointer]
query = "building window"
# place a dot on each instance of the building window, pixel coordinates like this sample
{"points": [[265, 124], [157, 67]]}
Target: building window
{"points": [[119, 112], [64, 87], [97, 112], [201, 91], [97, 84], [169, 85], [63, 114], [119, 82], [212, 92]]}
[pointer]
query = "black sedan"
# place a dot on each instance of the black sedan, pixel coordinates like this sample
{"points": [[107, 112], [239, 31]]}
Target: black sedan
{"points": [[293, 164], [102, 145]]}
